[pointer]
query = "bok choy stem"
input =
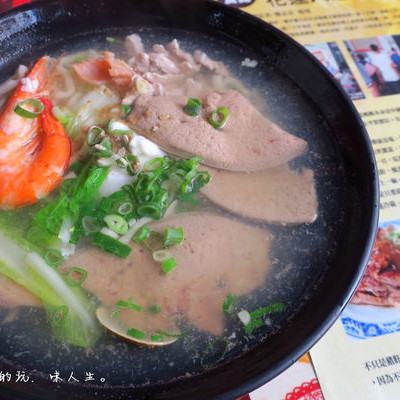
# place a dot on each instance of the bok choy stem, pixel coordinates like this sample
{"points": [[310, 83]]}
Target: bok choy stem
{"points": [[31, 271]]}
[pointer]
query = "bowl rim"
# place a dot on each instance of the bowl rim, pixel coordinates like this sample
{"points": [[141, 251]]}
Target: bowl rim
{"points": [[324, 324]]}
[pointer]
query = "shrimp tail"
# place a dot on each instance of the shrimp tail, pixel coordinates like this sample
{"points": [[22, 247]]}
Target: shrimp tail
{"points": [[24, 183]]}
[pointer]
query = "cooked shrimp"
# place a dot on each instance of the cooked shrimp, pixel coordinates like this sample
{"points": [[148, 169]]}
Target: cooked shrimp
{"points": [[34, 152]]}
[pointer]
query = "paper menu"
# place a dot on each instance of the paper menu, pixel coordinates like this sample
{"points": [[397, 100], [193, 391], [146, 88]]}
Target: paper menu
{"points": [[360, 357], [298, 382], [358, 42], [367, 370]]}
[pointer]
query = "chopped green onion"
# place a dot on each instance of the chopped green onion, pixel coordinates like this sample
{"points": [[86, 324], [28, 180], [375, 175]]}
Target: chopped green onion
{"points": [[168, 265], [135, 333], [191, 174], [121, 132], [149, 210], [111, 245], [131, 159], [173, 236], [253, 319], [53, 257], [116, 223], [106, 204], [142, 234], [115, 131], [80, 59], [186, 187], [125, 208], [77, 232], [74, 281], [200, 179], [129, 304], [154, 309], [94, 136], [126, 110], [23, 112], [59, 316], [204, 176], [244, 316], [90, 224], [144, 186], [156, 338], [119, 194], [106, 142], [161, 255], [276, 307], [253, 324], [219, 117], [154, 241], [230, 304], [104, 148], [172, 335], [62, 115], [113, 40], [162, 198], [111, 122], [132, 164], [214, 352], [154, 164], [193, 162], [193, 107], [121, 162]]}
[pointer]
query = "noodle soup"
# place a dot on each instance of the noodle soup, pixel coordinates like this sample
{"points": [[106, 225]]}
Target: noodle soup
{"points": [[167, 197]]}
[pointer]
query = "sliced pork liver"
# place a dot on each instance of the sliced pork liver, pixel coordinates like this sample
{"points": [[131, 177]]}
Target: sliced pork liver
{"points": [[12, 294], [276, 195], [248, 142], [218, 256]]}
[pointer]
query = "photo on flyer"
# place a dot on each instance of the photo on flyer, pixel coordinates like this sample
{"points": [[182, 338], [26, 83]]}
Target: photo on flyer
{"points": [[331, 57], [374, 308], [378, 61]]}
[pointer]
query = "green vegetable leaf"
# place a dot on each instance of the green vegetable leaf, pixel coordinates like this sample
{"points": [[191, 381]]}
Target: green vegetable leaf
{"points": [[31, 271]]}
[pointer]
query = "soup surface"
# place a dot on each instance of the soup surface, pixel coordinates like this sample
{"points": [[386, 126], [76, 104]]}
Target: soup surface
{"points": [[172, 185]]}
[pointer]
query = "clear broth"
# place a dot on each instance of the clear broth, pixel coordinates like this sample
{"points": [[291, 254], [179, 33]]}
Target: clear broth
{"points": [[298, 258]]}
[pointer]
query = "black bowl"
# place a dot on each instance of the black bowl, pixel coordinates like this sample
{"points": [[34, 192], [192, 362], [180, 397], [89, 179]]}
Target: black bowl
{"points": [[331, 259]]}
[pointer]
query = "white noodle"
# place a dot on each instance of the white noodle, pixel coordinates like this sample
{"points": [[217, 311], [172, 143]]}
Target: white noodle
{"points": [[74, 100], [11, 84], [69, 85], [70, 59]]}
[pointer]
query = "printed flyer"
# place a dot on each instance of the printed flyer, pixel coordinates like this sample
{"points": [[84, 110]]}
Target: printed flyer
{"points": [[359, 43]]}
